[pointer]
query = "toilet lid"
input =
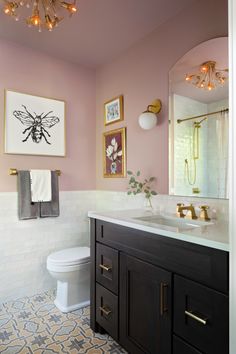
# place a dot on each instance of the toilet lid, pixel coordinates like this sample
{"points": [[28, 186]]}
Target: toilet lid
{"points": [[70, 256]]}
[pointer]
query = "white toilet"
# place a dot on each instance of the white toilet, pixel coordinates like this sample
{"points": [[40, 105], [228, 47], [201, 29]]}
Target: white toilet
{"points": [[71, 268]]}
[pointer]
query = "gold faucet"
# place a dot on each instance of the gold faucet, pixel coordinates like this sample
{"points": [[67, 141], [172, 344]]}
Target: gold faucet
{"points": [[203, 213], [190, 211]]}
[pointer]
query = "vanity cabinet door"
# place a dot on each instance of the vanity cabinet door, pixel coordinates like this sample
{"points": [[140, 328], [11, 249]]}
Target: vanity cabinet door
{"points": [[181, 347], [145, 307], [201, 316]]}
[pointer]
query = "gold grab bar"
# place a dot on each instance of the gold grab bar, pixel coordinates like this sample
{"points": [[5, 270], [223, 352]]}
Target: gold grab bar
{"points": [[14, 172]]}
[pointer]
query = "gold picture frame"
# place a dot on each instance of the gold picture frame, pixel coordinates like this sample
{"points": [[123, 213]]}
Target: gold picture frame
{"points": [[28, 120], [114, 110], [114, 153]]}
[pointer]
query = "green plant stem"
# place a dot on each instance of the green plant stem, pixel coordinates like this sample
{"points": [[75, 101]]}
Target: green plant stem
{"points": [[150, 202]]}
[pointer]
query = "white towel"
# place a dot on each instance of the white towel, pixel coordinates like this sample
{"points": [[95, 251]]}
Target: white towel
{"points": [[41, 185]]}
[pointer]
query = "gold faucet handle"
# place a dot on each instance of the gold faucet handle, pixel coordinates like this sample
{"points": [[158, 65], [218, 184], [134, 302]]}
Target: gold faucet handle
{"points": [[179, 212], [203, 213], [204, 207], [179, 205]]}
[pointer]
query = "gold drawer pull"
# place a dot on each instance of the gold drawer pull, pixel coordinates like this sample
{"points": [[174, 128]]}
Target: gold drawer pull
{"points": [[163, 300], [105, 267], [105, 310], [196, 318]]}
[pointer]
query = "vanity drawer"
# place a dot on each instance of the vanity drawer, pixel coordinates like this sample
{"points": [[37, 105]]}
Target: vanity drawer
{"points": [[107, 267], [205, 265], [181, 347], [201, 316], [107, 310]]}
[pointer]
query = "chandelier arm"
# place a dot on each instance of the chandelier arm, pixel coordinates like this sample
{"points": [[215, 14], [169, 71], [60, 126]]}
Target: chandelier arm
{"points": [[54, 8]]}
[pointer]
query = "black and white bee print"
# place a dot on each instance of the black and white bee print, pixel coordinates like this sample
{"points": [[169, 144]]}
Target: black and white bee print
{"points": [[38, 125]]}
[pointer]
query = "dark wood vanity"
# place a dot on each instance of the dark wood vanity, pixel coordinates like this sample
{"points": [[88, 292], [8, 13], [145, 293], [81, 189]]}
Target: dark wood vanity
{"points": [[158, 295]]}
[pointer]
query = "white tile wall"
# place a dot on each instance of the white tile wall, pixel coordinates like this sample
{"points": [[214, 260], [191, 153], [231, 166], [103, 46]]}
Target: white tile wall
{"points": [[212, 165], [25, 244]]}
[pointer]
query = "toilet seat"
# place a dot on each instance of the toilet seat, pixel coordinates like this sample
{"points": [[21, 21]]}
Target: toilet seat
{"points": [[68, 259]]}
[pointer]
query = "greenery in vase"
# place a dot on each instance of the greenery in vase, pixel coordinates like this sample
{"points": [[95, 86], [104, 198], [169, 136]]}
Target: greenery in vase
{"points": [[137, 186]]}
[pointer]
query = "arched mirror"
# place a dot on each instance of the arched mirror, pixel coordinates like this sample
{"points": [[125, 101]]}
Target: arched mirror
{"points": [[198, 129]]}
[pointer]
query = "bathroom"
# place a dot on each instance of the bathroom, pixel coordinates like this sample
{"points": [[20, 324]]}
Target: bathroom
{"points": [[37, 64]]}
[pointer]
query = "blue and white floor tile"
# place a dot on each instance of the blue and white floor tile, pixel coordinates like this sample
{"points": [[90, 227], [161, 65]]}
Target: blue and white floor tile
{"points": [[34, 325]]}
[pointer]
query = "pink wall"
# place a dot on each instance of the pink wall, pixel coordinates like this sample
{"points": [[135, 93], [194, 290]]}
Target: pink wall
{"points": [[141, 75], [29, 71]]}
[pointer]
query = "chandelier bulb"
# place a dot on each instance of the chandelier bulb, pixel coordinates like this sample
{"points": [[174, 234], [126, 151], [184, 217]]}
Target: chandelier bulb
{"points": [[9, 8], [6, 10], [204, 69], [71, 8], [210, 87]]}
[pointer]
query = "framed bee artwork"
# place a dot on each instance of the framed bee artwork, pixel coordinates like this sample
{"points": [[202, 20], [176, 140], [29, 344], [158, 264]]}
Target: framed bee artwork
{"points": [[114, 110], [34, 125], [114, 153]]}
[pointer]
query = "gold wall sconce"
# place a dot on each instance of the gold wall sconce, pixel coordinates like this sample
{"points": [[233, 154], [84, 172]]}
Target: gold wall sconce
{"points": [[148, 119]]}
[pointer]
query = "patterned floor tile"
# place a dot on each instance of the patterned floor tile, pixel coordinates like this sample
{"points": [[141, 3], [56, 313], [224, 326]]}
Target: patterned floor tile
{"points": [[33, 325]]}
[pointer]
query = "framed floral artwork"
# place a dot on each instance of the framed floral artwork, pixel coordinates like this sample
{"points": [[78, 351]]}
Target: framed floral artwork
{"points": [[113, 110], [34, 125], [114, 153]]}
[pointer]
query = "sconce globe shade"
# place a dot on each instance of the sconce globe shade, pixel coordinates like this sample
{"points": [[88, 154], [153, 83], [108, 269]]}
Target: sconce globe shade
{"points": [[147, 120]]}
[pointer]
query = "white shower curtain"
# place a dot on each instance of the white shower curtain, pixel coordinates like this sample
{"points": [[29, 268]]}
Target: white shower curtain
{"points": [[222, 133]]}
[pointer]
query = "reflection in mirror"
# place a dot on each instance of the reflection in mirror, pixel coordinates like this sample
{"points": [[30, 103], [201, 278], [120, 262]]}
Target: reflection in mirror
{"points": [[198, 129]]}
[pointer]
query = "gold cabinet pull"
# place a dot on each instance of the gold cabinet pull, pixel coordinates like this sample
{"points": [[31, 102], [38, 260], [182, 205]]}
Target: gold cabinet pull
{"points": [[105, 310], [105, 267], [195, 317], [163, 307]]}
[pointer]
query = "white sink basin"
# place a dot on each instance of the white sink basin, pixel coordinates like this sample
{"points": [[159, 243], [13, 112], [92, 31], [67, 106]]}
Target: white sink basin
{"points": [[173, 223]]}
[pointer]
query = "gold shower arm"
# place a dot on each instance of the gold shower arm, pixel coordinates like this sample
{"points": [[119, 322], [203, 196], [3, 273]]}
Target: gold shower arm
{"points": [[14, 172], [202, 115]]}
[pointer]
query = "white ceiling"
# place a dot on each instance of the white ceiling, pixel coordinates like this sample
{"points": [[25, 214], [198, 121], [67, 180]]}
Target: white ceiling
{"points": [[215, 49], [99, 32]]}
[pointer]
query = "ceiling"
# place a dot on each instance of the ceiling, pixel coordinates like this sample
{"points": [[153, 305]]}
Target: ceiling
{"points": [[215, 49], [99, 32]]}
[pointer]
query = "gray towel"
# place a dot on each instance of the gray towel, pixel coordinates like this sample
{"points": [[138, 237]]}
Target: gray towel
{"points": [[26, 209], [48, 209]]}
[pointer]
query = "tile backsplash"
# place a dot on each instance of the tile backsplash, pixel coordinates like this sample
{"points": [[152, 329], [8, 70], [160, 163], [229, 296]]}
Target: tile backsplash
{"points": [[106, 200], [25, 244]]}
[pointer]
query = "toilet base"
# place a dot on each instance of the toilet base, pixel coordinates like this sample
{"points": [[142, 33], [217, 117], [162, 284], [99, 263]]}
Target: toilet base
{"points": [[74, 307], [73, 290]]}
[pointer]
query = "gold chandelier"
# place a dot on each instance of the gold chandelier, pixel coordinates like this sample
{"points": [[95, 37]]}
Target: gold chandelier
{"points": [[209, 77], [44, 13]]}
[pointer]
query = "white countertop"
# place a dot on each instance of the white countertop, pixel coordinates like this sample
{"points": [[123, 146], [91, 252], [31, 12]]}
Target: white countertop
{"points": [[213, 234]]}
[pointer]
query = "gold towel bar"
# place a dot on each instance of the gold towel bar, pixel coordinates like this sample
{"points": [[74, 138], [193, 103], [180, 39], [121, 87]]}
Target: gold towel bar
{"points": [[14, 172]]}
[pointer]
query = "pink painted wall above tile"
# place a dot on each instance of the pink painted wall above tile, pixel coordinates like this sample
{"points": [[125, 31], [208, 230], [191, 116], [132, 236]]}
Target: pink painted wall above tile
{"points": [[29, 71], [141, 75]]}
